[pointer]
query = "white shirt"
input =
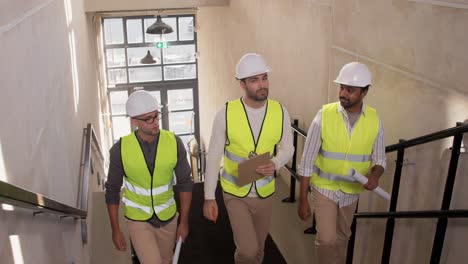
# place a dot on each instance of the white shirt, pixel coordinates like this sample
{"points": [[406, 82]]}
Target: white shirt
{"points": [[314, 142], [284, 150]]}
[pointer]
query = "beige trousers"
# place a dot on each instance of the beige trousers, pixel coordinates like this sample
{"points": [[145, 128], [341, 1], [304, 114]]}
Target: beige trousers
{"points": [[333, 229], [153, 245], [250, 219]]}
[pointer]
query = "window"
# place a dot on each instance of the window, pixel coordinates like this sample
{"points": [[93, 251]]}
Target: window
{"points": [[172, 78], [120, 122]]}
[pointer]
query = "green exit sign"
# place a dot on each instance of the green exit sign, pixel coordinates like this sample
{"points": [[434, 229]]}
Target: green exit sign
{"points": [[161, 45]]}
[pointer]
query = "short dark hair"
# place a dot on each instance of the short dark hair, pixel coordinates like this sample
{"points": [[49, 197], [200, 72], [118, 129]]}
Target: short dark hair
{"points": [[365, 88]]}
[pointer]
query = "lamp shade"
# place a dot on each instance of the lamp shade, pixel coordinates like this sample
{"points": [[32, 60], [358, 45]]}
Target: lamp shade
{"points": [[148, 59], [159, 27]]}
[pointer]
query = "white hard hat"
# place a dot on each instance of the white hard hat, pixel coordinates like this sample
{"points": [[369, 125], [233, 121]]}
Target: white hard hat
{"points": [[141, 102], [251, 64], [354, 74]]}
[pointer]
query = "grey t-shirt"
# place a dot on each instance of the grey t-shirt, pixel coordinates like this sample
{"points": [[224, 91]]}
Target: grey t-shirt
{"points": [[116, 172]]}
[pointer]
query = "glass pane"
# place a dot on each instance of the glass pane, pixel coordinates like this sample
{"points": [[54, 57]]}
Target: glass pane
{"points": [[113, 31], [179, 54], [179, 72], [171, 21], [145, 74], [115, 57], [134, 31], [186, 28], [180, 99], [118, 100], [134, 55], [120, 126], [181, 122], [117, 76]]}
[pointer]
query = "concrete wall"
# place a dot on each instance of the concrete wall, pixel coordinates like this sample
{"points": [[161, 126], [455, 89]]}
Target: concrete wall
{"points": [[49, 93]]}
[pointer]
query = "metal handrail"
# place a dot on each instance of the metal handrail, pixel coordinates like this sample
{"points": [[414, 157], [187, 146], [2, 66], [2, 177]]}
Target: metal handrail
{"points": [[38, 203], [90, 138], [17, 196], [416, 214], [459, 129]]}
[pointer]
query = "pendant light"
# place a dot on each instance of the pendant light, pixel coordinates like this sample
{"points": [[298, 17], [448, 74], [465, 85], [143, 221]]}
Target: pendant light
{"points": [[159, 27], [148, 59]]}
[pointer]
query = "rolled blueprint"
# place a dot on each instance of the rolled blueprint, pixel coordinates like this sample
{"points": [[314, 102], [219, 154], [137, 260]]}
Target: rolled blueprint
{"points": [[175, 259], [363, 180]]}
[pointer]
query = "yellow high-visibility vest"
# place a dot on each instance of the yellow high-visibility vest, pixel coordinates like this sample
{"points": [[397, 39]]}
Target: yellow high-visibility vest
{"points": [[339, 152], [146, 194], [241, 143]]}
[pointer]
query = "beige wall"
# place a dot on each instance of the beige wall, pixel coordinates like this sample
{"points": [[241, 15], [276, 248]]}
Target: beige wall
{"points": [[294, 38], [49, 94]]}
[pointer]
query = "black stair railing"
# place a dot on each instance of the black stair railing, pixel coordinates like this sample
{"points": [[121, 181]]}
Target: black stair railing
{"points": [[293, 171], [442, 215]]}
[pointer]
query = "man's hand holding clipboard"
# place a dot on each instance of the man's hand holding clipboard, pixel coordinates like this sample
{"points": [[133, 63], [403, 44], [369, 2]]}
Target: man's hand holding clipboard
{"points": [[255, 168]]}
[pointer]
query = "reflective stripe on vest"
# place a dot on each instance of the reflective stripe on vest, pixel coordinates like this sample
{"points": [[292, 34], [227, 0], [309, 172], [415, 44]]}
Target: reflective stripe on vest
{"points": [[146, 192], [344, 156], [340, 151], [147, 209], [164, 206], [233, 157], [332, 177], [241, 143], [129, 203]]}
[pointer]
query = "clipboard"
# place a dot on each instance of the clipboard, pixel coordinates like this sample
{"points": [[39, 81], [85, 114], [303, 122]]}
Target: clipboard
{"points": [[246, 169]]}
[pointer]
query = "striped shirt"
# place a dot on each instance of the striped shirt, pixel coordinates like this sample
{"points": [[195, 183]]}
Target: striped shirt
{"points": [[314, 142]]}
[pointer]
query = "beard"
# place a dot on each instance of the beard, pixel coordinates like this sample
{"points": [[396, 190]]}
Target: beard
{"points": [[345, 103], [260, 95], [348, 104], [150, 131]]}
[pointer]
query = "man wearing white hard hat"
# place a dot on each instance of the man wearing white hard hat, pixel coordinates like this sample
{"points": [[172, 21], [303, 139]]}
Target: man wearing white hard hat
{"points": [[250, 125], [145, 162], [343, 135]]}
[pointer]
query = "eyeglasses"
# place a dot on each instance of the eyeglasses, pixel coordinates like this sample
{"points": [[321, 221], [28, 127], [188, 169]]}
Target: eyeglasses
{"points": [[151, 119]]}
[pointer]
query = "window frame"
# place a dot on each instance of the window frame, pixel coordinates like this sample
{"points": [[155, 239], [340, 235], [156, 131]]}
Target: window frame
{"points": [[163, 86]]}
